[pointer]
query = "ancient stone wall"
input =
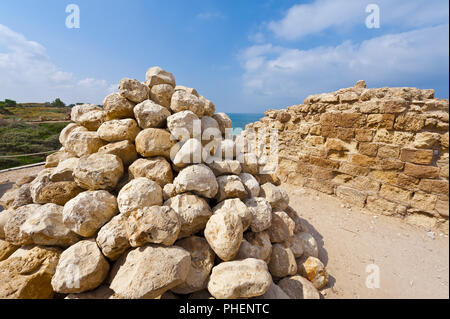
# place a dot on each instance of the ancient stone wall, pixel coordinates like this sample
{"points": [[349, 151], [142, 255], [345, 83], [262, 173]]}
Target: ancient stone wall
{"points": [[385, 149]]}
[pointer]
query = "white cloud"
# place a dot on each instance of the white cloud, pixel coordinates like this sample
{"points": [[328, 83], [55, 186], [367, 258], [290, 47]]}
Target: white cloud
{"points": [[27, 74], [321, 15], [274, 74]]}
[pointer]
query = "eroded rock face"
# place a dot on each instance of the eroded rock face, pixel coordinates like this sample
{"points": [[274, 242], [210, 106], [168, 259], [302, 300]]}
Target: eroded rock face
{"points": [[156, 224], [133, 90], [154, 142], [89, 211], [239, 279], [81, 267], [150, 114], [58, 193], [297, 287], [45, 227], [147, 272], [224, 233], [202, 261], [112, 238], [116, 106], [139, 193], [98, 171], [198, 179], [235, 205], [27, 273], [193, 212], [118, 130]]}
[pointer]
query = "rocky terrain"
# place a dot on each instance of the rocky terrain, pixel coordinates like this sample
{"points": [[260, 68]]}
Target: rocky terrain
{"points": [[151, 197]]}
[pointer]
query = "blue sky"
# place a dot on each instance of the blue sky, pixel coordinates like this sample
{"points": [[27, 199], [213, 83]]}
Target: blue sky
{"points": [[246, 56]]}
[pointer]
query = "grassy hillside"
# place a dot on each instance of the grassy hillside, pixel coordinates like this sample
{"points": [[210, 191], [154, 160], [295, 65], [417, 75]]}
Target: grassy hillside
{"points": [[35, 113], [21, 138]]}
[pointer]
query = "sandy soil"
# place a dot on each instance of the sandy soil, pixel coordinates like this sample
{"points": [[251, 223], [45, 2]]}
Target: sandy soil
{"points": [[412, 262]]}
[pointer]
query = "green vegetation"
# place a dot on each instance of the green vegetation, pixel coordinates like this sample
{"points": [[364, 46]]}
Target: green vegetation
{"points": [[21, 138]]}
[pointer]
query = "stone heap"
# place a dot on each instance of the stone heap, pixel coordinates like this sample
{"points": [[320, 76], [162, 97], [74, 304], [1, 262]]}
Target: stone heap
{"points": [[384, 149], [127, 210]]}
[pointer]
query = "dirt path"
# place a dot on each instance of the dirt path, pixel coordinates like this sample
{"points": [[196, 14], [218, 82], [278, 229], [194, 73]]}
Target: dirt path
{"points": [[411, 263]]}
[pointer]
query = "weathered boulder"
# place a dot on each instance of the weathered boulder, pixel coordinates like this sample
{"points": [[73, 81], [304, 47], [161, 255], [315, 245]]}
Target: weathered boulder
{"points": [[162, 94], [202, 261], [65, 132], [147, 272], [149, 114], [89, 211], [255, 245], [224, 233], [45, 227], [190, 153], [156, 75], [186, 89], [27, 273], [125, 150], [274, 292], [279, 231], [36, 186], [230, 186], [182, 125], [4, 216], [8, 197], [309, 244], [277, 197], [224, 122], [193, 213], [83, 143], [313, 269], [88, 115], [219, 168], [239, 279], [139, 193], [156, 224], [133, 90], [116, 106], [102, 292], [54, 159], [112, 238], [295, 243], [154, 142], [282, 262], [157, 169], [169, 191], [209, 107], [298, 287], [250, 183], [118, 130], [13, 223], [23, 196], [198, 179], [64, 171], [6, 249], [261, 213], [184, 101], [98, 171], [82, 267], [235, 205], [58, 193]]}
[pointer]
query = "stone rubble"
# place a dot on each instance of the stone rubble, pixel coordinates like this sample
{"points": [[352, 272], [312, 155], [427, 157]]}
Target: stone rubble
{"points": [[137, 205]]}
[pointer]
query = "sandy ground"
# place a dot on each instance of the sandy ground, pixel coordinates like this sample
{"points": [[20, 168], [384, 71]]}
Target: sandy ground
{"points": [[412, 262]]}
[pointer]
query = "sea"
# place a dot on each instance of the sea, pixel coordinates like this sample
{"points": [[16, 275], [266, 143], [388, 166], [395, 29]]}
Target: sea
{"points": [[240, 120]]}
